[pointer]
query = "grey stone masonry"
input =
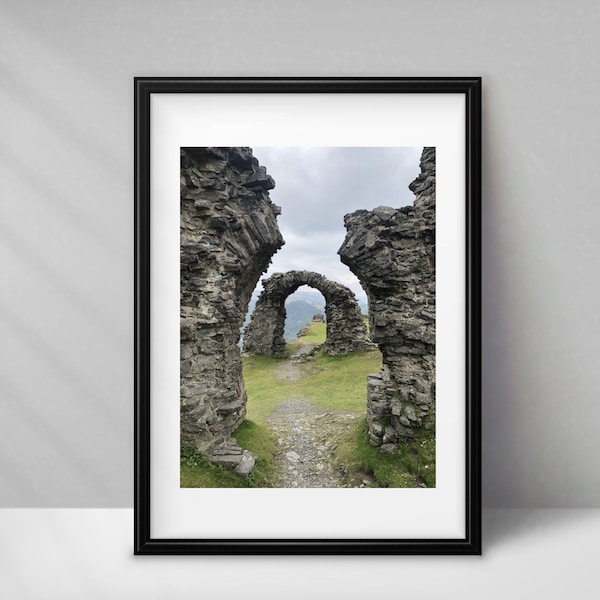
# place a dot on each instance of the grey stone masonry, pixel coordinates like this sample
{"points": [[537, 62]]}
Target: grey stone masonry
{"points": [[392, 252], [229, 233], [346, 331]]}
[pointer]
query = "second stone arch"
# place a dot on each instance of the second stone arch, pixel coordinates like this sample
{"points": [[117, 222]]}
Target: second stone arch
{"points": [[346, 330]]}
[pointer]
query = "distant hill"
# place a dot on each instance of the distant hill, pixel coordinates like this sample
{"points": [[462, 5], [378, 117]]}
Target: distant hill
{"points": [[298, 315]]}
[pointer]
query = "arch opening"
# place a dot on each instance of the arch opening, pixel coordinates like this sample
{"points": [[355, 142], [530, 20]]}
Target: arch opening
{"points": [[265, 334], [302, 307]]}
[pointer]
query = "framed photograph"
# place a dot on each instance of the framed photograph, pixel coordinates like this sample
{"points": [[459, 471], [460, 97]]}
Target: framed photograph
{"points": [[307, 315]]}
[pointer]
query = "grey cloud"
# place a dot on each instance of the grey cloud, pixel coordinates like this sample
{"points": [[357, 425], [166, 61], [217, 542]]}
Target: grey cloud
{"points": [[316, 187]]}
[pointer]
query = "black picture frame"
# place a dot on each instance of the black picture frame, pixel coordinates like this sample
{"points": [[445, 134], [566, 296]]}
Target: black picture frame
{"points": [[144, 89]]}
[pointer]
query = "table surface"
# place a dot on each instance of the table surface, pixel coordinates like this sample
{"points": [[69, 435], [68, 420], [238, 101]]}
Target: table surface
{"points": [[87, 553]]}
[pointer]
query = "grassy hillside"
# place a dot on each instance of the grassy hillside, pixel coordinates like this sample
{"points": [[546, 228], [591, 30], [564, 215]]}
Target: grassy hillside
{"points": [[329, 382], [313, 333]]}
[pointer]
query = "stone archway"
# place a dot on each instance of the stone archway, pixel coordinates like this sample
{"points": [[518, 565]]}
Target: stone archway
{"points": [[228, 234], [397, 270], [346, 331]]}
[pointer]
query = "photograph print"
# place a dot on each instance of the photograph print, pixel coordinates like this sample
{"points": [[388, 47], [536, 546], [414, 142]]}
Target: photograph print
{"points": [[308, 317]]}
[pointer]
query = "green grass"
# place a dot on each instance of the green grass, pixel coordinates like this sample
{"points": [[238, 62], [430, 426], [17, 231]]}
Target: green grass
{"points": [[197, 471], [259, 440], [265, 391], [340, 382], [332, 383], [412, 466], [316, 333]]}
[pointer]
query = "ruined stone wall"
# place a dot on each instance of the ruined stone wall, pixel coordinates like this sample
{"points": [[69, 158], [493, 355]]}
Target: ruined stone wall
{"points": [[392, 252], [346, 331], [229, 233]]}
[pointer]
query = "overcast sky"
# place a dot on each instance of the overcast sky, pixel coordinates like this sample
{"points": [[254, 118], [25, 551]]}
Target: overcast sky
{"points": [[316, 187]]}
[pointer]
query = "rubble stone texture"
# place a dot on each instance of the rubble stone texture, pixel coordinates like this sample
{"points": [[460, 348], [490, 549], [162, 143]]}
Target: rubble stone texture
{"points": [[392, 252], [229, 233], [346, 331]]}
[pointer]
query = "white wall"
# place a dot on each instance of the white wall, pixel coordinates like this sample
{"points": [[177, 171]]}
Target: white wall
{"points": [[66, 231]]}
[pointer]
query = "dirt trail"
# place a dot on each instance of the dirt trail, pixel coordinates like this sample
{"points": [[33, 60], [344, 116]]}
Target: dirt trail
{"points": [[307, 435], [291, 369]]}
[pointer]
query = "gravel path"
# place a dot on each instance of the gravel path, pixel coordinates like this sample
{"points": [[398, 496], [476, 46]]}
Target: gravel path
{"points": [[308, 435], [291, 369], [306, 438]]}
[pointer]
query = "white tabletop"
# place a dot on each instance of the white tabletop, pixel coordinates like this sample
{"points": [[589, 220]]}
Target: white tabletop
{"points": [[87, 553]]}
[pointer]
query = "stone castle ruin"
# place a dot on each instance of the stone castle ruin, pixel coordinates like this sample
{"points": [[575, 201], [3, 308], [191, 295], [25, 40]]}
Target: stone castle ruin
{"points": [[346, 331], [229, 233], [392, 252]]}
